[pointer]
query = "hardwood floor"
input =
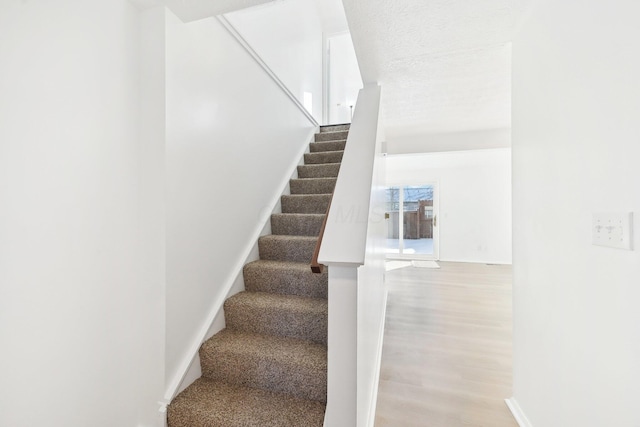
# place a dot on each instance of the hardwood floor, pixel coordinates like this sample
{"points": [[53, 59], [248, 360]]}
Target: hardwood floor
{"points": [[446, 358]]}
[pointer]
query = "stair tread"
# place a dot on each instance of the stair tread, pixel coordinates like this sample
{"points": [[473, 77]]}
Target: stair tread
{"points": [[265, 300], [321, 164], [328, 142], [333, 131], [299, 224], [306, 203], [326, 128], [319, 185], [323, 157], [307, 195], [278, 314], [288, 265], [319, 178], [320, 147], [276, 363], [331, 135], [319, 170], [326, 152], [293, 238], [299, 215], [287, 247], [209, 403], [297, 351], [285, 277]]}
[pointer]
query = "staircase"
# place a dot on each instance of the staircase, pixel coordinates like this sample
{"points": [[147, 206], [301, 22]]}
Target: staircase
{"points": [[268, 367]]}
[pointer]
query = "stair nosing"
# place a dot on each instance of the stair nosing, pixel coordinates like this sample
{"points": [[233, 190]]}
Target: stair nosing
{"points": [[288, 237], [299, 214], [319, 177], [328, 152], [307, 195], [275, 262], [255, 395], [291, 348], [282, 297], [321, 164]]}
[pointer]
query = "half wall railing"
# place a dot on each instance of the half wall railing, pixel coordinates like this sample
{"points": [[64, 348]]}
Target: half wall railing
{"points": [[352, 250]]}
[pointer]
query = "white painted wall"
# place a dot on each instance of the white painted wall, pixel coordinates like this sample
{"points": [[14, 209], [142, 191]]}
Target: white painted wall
{"points": [[332, 16], [474, 190], [287, 35], [81, 299], [414, 141], [233, 139], [576, 102]]}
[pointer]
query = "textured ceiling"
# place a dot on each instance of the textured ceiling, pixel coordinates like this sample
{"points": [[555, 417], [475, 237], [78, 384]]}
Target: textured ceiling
{"points": [[444, 65]]}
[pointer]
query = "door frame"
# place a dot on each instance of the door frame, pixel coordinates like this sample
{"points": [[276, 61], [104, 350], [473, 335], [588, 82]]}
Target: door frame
{"points": [[326, 75]]}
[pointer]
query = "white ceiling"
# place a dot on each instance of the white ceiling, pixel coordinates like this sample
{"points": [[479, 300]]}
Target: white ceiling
{"points": [[444, 65]]}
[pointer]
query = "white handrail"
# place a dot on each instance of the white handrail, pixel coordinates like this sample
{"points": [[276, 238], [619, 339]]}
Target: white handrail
{"points": [[345, 235], [351, 249]]}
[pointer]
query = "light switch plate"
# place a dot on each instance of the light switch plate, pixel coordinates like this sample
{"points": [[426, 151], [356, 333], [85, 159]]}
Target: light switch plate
{"points": [[614, 230]]}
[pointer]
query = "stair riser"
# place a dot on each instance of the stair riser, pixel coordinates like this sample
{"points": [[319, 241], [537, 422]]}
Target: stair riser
{"points": [[278, 279], [309, 324], [331, 136], [312, 185], [308, 204], [319, 147], [296, 225], [334, 128], [249, 370], [208, 403], [319, 171], [299, 250], [323, 157]]}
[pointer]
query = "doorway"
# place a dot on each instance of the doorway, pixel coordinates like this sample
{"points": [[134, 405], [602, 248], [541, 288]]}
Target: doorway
{"points": [[343, 81], [412, 221]]}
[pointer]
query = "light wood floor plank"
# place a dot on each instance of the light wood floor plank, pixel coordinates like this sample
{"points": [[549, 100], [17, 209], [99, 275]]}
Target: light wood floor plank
{"points": [[446, 358]]}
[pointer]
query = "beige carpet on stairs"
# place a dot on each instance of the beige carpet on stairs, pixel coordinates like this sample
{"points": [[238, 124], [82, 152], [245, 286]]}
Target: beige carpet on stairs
{"points": [[268, 367]]}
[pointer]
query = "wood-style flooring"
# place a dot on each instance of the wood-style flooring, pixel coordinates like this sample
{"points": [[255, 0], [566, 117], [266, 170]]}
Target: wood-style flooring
{"points": [[446, 358]]}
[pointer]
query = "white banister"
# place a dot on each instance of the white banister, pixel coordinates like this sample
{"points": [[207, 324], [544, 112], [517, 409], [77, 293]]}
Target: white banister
{"points": [[346, 231], [351, 248]]}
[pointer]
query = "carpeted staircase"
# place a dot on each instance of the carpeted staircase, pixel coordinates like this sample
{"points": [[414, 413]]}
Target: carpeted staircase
{"points": [[268, 367]]}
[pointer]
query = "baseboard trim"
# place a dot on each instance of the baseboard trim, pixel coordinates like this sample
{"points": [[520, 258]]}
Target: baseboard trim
{"points": [[517, 412]]}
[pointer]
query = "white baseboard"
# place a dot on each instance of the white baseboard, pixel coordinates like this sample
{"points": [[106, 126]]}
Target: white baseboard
{"points": [[517, 413]]}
